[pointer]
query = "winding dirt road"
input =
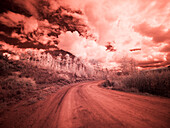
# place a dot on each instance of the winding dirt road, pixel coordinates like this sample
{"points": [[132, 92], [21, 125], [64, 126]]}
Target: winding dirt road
{"points": [[86, 105]]}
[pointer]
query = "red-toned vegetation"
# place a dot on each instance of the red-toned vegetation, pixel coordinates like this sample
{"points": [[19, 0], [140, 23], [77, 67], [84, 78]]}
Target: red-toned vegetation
{"points": [[152, 82], [21, 80]]}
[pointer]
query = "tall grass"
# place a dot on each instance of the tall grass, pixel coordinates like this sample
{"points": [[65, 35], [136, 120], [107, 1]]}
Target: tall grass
{"points": [[156, 83]]}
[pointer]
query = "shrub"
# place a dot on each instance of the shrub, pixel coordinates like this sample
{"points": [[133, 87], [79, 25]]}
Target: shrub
{"points": [[107, 83], [157, 83], [14, 88]]}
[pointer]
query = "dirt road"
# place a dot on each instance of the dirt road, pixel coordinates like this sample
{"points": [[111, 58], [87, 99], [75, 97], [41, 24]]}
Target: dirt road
{"points": [[86, 105]]}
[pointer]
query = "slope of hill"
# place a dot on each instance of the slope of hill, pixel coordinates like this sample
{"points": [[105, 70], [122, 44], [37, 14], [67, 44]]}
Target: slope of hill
{"points": [[27, 79]]}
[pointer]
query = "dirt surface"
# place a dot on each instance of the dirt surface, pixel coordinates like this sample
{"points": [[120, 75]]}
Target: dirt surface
{"points": [[86, 105]]}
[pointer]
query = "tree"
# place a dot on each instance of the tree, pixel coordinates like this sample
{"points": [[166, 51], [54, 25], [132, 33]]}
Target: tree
{"points": [[128, 65]]}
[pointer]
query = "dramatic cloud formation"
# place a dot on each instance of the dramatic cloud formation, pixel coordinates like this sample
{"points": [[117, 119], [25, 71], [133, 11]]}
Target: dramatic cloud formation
{"points": [[138, 29]]}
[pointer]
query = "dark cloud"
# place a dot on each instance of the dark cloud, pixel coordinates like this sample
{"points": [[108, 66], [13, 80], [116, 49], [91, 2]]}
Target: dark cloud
{"points": [[27, 44], [35, 45], [9, 40], [155, 64], [10, 5], [8, 30], [67, 22], [110, 47], [157, 33], [135, 49], [151, 64], [35, 24]]}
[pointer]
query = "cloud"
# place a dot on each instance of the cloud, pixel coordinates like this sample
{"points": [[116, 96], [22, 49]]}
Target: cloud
{"points": [[30, 25], [54, 4], [34, 30], [29, 5], [158, 34], [11, 19], [84, 48], [150, 62], [110, 47], [166, 48], [85, 27], [168, 59], [79, 46]]}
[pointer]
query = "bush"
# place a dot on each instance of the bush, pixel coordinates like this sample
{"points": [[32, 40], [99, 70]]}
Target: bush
{"points": [[157, 83], [107, 83], [14, 88]]}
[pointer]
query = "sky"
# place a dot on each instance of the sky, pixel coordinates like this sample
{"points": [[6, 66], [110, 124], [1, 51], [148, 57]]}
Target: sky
{"points": [[102, 30]]}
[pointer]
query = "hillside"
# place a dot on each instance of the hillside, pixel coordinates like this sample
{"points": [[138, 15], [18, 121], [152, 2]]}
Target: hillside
{"points": [[35, 78]]}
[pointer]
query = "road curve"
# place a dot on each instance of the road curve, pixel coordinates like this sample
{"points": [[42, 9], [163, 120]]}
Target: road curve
{"points": [[86, 105]]}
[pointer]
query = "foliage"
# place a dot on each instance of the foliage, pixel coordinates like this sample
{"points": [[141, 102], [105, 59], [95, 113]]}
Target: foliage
{"points": [[157, 83], [128, 65], [152, 82], [14, 88]]}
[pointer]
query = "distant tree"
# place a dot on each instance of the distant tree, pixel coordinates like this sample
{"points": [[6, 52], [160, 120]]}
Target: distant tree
{"points": [[127, 65], [67, 61]]}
